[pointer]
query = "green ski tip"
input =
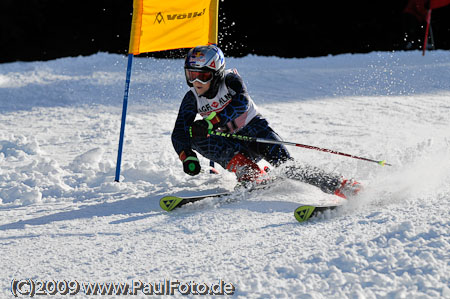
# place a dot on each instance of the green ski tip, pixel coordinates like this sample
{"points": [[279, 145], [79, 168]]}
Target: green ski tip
{"points": [[168, 203], [303, 213]]}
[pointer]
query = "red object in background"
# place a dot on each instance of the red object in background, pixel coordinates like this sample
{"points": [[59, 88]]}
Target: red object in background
{"points": [[419, 5], [417, 9], [438, 3]]}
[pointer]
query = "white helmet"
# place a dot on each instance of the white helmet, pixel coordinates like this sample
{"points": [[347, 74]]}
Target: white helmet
{"points": [[204, 64]]}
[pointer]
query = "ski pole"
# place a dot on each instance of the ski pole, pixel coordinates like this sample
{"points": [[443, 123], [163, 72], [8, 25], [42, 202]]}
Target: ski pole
{"points": [[263, 140]]}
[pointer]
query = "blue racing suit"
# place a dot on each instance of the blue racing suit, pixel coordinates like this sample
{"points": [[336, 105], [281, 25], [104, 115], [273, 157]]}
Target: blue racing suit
{"points": [[238, 114]]}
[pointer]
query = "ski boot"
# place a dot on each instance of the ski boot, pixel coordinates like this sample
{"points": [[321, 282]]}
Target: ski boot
{"points": [[248, 173], [348, 189]]}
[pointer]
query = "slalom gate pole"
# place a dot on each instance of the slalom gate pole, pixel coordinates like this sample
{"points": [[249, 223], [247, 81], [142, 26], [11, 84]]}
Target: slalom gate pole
{"points": [[124, 116], [426, 32], [262, 140]]}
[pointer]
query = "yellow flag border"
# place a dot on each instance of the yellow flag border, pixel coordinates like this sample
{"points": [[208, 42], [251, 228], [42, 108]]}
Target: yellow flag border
{"points": [[213, 21], [136, 25]]}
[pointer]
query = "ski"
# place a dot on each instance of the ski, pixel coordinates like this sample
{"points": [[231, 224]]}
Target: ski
{"points": [[305, 212], [168, 203]]}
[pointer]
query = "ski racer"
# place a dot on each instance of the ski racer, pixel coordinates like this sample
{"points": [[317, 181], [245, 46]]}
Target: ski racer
{"points": [[221, 98]]}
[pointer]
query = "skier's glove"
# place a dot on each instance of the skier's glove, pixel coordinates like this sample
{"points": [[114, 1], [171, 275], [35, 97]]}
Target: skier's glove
{"points": [[190, 161], [202, 128]]}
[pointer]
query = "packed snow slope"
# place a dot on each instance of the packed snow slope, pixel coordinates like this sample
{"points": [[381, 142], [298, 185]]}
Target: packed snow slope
{"points": [[63, 218]]}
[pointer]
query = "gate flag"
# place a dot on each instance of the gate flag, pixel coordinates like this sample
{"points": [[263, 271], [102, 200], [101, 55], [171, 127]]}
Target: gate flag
{"points": [[172, 24], [165, 25], [433, 4]]}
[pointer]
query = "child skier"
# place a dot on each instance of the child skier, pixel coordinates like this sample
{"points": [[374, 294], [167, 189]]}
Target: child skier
{"points": [[221, 98]]}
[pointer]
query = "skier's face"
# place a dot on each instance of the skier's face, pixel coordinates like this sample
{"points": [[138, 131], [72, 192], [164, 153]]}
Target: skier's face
{"points": [[201, 88]]}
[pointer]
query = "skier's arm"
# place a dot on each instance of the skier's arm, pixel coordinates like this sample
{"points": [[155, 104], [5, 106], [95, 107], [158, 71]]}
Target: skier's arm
{"points": [[186, 116]]}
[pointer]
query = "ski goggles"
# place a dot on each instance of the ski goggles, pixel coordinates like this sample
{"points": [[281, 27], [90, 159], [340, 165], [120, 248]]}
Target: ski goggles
{"points": [[202, 77]]}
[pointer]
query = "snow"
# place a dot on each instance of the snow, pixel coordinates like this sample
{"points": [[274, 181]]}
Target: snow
{"points": [[62, 216]]}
